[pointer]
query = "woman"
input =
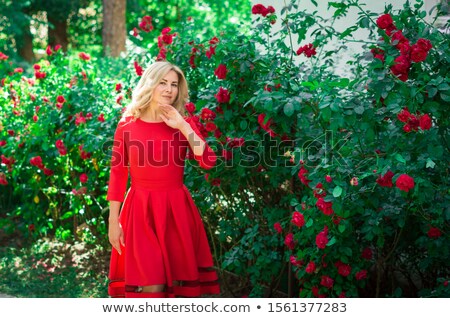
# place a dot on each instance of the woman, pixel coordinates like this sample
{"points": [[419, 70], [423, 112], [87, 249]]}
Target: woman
{"points": [[160, 248]]}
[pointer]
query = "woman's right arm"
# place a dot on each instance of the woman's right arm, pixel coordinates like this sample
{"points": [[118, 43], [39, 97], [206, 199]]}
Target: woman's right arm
{"points": [[118, 180], [115, 232]]}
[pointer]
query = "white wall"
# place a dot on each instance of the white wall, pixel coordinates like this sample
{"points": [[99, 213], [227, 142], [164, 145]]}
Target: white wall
{"points": [[376, 6]]}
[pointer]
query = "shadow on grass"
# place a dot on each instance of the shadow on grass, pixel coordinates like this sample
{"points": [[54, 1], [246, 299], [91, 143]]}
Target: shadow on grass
{"points": [[52, 269]]}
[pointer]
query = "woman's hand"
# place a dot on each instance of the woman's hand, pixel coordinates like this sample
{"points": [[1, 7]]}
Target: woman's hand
{"points": [[115, 234], [171, 116]]}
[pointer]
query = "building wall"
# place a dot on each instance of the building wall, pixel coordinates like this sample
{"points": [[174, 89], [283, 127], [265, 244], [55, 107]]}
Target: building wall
{"points": [[341, 24]]}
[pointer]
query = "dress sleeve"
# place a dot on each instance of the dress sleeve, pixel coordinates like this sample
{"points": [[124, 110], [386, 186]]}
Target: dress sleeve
{"points": [[118, 177], [208, 159]]}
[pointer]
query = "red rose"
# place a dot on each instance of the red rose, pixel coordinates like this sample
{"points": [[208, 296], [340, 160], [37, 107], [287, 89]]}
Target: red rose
{"points": [[327, 282], [146, 23], [57, 47], [367, 253], [386, 180], [325, 207], [424, 44], [138, 69], [294, 261], [190, 107], [362, 274], [83, 178], [308, 49], [384, 21], [418, 54], [277, 227], [210, 126], [298, 219], [405, 182], [48, 172], [322, 238], [101, 118], [3, 180], [289, 241], [49, 50], [344, 270], [37, 162], [60, 99], [221, 71], [425, 122], [118, 87], [207, 114], [59, 143], [84, 56], [259, 9], [434, 232], [303, 176], [3, 57], [222, 96], [404, 115], [310, 268]]}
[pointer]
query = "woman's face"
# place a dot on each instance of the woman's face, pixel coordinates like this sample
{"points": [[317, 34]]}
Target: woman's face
{"points": [[166, 91]]}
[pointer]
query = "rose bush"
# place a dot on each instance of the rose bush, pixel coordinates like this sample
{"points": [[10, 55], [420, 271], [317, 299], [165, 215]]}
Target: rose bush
{"points": [[326, 185]]}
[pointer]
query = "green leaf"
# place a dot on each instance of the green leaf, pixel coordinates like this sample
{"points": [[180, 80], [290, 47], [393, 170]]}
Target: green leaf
{"points": [[430, 164], [294, 202], [314, 2], [309, 223], [288, 109], [359, 110], [399, 158], [341, 228], [243, 124], [332, 241], [337, 191]]}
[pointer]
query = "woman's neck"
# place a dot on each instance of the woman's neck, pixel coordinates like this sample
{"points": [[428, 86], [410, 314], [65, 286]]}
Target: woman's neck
{"points": [[151, 114]]}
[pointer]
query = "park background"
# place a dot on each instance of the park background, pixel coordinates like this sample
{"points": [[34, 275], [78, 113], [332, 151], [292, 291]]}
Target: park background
{"points": [[328, 117]]}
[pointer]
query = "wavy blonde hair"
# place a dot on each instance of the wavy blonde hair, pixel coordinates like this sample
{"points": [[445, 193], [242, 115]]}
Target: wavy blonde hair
{"points": [[143, 92]]}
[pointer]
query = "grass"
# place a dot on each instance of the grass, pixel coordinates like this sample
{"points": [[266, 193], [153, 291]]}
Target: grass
{"points": [[52, 269]]}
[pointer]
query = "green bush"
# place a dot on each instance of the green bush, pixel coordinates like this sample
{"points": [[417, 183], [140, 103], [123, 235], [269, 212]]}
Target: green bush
{"points": [[326, 184]]}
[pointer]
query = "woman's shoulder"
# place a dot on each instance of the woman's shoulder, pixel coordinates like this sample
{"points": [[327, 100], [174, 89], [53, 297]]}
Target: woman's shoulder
{"points": [[124, 121]]}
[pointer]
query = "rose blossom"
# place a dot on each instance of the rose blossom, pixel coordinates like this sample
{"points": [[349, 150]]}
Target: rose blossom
{"points": [[310, 268], [221, 71], [434, 232], [289, 241], [322, 238], [425, 122], [405, 182], [298, 219], [386, 179], [327, 282], [384, 21], [222, 96], [277, 227]]}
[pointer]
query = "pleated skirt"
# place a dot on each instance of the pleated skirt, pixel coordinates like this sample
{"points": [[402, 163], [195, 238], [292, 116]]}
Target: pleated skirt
{"points": [[165, 244]]}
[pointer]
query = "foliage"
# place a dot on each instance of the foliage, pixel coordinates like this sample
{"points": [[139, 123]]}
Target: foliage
{"points": [[325, 184], [53, 269]]}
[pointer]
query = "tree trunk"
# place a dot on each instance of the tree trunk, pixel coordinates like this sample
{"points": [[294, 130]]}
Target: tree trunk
{"points": [[114, 28], [57, 34], [24, 43]]}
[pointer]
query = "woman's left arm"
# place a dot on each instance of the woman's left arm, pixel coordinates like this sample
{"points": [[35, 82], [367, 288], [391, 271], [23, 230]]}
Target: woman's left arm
{"points": [[202, 152]]}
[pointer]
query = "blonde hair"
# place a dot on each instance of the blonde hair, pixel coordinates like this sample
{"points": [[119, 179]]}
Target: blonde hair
{"points": [[143, 92]]}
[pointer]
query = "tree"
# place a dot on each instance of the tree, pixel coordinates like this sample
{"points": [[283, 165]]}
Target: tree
{"points": [[114, 27]]}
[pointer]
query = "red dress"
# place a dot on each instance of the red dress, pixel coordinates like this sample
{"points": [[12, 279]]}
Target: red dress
{"points": [[165, 239]]}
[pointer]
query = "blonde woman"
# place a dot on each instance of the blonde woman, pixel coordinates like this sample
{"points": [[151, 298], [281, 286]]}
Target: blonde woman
{"points": [[160, 248]]}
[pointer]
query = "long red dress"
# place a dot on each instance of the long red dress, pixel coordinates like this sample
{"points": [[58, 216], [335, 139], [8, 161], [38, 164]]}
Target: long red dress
{"points": [[165, 240]]}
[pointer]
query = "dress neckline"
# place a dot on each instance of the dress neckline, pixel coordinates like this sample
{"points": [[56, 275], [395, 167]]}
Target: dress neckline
{"points": [[150, 122]]}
